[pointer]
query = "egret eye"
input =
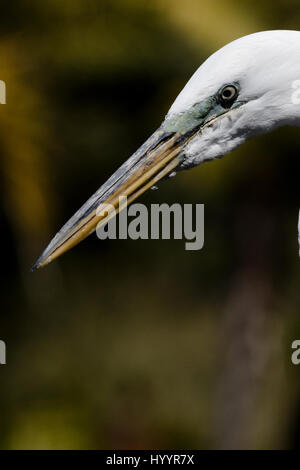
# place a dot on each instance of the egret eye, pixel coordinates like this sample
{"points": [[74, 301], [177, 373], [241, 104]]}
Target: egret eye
{"points": [[227, 95]]}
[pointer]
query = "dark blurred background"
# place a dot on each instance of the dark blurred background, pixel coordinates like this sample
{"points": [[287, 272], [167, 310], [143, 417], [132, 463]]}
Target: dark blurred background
{"points": [[141, 344]]}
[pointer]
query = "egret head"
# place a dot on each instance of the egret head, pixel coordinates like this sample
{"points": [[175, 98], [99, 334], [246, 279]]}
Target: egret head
{"points": [[244, 89]]}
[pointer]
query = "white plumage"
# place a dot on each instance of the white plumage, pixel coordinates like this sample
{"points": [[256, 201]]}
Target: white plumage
{"points": [[266, 65]]}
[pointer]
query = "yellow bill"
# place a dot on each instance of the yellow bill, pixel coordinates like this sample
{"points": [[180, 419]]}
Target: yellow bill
{"points": [[156, 159]]}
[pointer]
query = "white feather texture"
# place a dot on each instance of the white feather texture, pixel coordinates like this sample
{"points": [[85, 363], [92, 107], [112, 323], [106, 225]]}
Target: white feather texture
{"points": [[266, 65]]}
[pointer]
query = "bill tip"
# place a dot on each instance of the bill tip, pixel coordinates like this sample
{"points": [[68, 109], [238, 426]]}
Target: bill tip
{"points": [[35, 266]]}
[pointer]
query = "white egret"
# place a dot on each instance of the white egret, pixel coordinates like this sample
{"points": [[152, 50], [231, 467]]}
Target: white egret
{"points": [[244, 89]]}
